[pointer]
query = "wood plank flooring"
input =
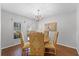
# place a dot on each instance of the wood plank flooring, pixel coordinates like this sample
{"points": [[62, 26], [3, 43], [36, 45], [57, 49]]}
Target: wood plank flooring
{"points": [[16, 51]]}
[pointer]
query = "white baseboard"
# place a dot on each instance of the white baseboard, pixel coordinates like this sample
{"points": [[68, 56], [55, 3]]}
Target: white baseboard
{"points": [[67, 45], [9, 46], [70, 47], [58, 43]]}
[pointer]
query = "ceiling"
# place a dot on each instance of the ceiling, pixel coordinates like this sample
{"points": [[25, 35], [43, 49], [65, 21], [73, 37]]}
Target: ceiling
{"points": [[46, 9]]}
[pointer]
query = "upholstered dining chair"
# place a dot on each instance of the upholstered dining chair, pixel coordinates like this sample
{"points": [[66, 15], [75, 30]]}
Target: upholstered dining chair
{"points": [[46, 37], [36, 44], [50, 47], [23, 44]]}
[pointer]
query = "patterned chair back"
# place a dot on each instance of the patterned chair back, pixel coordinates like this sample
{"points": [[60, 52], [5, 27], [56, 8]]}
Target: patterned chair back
{"points": [[55, 38], [21, 40], [46, 36], [36, 44]]}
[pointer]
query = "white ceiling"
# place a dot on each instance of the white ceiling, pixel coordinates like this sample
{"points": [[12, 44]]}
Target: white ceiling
{"points": [[46, 9]]}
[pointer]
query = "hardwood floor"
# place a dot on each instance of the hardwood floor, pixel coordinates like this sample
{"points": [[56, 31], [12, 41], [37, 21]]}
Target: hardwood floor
{"points": [[66, 51], [16, 51]]}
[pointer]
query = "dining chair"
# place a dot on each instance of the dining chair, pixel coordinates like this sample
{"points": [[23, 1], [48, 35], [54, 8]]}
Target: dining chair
{"points": [[23, 44], [36, 44], [51, 47], [46, 37]]}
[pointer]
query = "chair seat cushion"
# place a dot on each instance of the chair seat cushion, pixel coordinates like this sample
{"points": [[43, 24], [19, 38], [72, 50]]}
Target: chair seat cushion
{"points": [[46, 40], [26, 45], [49, 45]]}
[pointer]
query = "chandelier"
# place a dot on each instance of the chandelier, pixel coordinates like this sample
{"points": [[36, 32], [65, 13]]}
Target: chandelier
{"points": [[38, 17]]}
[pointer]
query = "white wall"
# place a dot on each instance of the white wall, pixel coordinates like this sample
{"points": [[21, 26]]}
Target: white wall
{"points": [[77, 32], [0, 29], [28, 24], [7, 30], [66, 26]]}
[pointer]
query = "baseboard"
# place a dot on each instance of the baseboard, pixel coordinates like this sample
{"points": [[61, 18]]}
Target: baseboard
{"points": [[58, 44], [67, 46], [10, 46]]}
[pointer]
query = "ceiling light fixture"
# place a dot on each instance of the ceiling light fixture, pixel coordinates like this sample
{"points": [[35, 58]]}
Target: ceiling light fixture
{"points": [[38, 17]]}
